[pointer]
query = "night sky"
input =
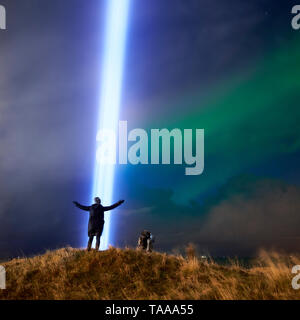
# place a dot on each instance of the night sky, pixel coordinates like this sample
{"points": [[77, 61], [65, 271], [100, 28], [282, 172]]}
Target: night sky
{"points": [[231, 67]]}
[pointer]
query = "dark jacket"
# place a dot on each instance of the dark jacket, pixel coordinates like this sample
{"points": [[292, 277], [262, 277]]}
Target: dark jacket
{"points": [[96, 219]]}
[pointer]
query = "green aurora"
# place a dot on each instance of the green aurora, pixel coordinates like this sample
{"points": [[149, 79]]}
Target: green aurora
{"points": [[249, 119]]}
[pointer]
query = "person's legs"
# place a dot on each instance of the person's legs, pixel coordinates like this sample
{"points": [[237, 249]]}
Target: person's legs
{"points": [[149, 245], [91, 238], [98, 235], [98, 241]]}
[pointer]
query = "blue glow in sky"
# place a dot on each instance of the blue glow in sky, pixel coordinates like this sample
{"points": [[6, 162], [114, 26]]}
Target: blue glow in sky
{"points": [[111, 88]]}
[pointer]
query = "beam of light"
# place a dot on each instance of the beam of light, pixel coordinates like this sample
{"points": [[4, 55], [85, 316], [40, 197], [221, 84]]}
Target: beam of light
{"points": [[111, 87]]}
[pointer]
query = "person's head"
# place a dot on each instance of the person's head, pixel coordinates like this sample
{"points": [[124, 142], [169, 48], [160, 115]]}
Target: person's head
{"points": [[97, 200], [145, 233]]}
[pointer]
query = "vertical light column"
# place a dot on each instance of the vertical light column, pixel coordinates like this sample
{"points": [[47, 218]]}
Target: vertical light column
{"points": [[111, 88]]}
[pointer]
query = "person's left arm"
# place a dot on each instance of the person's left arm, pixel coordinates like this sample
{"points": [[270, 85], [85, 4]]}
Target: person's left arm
{"points": [[113, 206]]}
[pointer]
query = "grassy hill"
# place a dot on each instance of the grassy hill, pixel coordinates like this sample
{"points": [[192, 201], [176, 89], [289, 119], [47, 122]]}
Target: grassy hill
{"points": [[130, 274]]}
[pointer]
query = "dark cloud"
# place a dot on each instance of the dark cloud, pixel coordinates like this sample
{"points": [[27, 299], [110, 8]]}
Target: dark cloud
{"points": [[47, 124], [263, 215], [185, 45]]}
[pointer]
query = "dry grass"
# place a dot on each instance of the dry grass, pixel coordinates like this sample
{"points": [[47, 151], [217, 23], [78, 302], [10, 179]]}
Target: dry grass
{"points": [[130, 274]]}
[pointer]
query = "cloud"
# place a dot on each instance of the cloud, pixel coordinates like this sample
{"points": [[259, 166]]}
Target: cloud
{"points": [[47, 112], [127, 212], [265, 215]]}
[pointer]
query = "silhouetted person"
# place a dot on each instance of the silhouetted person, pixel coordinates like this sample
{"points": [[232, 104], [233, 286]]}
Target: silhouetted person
{"points": [[96, 220], [145, 241]]}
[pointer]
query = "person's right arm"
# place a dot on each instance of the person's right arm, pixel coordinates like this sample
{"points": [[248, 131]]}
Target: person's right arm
{"points": [[80, 206]]}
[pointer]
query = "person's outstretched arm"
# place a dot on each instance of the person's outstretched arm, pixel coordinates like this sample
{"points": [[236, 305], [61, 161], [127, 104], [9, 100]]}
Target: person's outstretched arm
{"points": [[80, 206], [114, 205]]}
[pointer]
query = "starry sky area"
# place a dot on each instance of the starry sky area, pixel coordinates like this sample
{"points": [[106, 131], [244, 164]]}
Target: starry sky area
{"points": [[230, 67]]}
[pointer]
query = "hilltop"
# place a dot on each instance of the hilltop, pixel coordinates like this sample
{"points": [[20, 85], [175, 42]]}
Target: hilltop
{"points": [[130, 274]]}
